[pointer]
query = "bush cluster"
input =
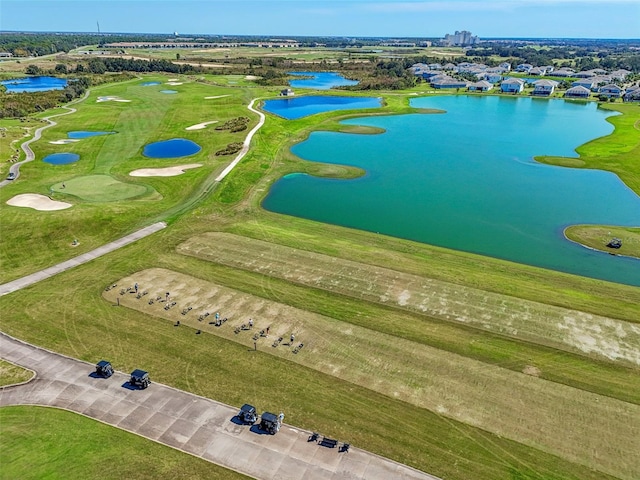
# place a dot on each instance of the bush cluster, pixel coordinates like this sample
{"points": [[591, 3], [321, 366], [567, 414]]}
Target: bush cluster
{"points": [[235, 125], [230, 149]]}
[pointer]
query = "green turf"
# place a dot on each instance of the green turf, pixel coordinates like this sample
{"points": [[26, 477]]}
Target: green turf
{"points": [[100, 188], [598, 237], [38, 442], [11, 374], [73, 318]]}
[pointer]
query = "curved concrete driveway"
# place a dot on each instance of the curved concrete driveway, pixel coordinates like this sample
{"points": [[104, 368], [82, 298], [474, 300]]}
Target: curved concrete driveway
{"points": [[26, 146], [187, 422]]}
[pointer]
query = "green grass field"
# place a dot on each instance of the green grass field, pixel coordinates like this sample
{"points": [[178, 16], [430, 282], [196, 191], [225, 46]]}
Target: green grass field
{"points": [[506, 393], [11, 374], [38, 442], [599, 236]]}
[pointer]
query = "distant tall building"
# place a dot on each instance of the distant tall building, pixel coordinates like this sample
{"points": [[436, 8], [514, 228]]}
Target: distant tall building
{"points": [[459, 39]]}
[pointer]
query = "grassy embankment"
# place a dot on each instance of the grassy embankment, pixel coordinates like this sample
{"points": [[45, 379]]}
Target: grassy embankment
{"points": [[35, 439], [597, 237], [11, 374], [73, 318]]}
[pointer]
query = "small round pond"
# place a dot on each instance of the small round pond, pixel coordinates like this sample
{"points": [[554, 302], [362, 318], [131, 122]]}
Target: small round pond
{"points": [[176, 147], [61, 158], [298, 107], [86, 134], [169, 91], [149, 84], [34, 84]]}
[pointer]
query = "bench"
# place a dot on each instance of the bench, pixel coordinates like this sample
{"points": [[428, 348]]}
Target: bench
{"points": [[329, 442]]}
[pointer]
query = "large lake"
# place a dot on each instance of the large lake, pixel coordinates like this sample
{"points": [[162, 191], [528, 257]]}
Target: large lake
{"points": [[466, 179], [320, 80]]}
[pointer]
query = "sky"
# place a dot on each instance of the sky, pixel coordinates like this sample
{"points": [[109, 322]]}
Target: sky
{"points": [[344, 18]]}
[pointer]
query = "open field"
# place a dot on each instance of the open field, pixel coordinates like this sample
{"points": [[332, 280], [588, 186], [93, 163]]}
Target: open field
{"points": [[522, 400], [39, 442], [598, 237], [533, 322], [11, 374], [490, 398]]}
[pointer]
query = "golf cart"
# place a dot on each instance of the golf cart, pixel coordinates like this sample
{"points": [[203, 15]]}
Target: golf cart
{"points": [[140, 379], [270, 423], [248, 414], [104, 369]]}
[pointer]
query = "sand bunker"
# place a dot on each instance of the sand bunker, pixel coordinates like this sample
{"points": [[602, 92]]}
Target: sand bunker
{"points": [[64, 141], [174, 83], [164, 172], [251, 77], [37, 202], [200, 126], [172, 80], [216, 96], [111, 99]]}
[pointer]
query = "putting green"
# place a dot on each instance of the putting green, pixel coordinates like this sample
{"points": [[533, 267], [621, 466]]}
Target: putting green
{"points": [[101, 188]]}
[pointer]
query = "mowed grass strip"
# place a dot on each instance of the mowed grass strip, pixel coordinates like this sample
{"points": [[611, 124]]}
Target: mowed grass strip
{"points": [[569, 330], [592, 430], [11, 374], [40, 442]]}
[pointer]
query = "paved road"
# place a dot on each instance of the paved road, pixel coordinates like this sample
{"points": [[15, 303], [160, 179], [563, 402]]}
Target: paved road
{"points": [[80, 259], [187, 422], [26, 146]]}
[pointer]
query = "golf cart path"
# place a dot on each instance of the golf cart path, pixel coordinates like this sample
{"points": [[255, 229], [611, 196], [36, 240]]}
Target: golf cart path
{"points": [[26, 146], [246, 144], [187, 422], [80, 259]]}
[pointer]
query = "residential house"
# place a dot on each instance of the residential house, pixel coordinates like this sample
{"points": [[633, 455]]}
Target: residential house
{"points": [[544, 87], [585, 74], [481, 86], [443, 81], [490, 77], [578, 92], [449, 66], [586, 83], [524, 68], [620, 74], [631, 95], [612, 91], [564, 72], [505, 66], [540, 71], [512, 85], [287, 92]]}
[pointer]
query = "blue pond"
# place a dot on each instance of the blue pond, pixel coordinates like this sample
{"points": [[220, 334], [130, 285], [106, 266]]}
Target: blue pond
{"points": [[298, 107], [61, 158], [85, 134], [176, 147], [149, 84], [34, 84], [320, 80], [168, 91]]}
